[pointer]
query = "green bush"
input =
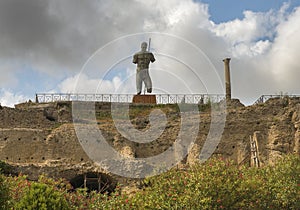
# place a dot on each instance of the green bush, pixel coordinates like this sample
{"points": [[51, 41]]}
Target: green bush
{"points": [[219, 184], [216, 184], [4, 193], [43, 197], [271, 187], [4, 168]]}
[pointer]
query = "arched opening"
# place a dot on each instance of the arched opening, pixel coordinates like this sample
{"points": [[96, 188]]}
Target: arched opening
{"points": [[94, 182]]}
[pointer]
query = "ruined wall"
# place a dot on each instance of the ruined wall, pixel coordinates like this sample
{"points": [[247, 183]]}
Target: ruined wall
{"points": [[25, 145], [40, 138], [276, 123], [14, 143], [38, 134]]}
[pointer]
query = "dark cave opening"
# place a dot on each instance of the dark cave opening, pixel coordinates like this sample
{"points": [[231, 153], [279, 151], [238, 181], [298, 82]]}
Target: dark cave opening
{"points": [[93, 181]]}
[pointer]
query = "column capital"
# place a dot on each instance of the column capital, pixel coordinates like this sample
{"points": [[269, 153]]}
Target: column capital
{"points": [[226, 60]]}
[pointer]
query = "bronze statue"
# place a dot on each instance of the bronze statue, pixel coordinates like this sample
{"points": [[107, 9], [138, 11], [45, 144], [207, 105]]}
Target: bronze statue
{"points": [[142, 59]]}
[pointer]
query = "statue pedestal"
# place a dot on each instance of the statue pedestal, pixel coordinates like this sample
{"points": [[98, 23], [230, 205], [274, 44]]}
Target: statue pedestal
{"points": [[144, 99]]}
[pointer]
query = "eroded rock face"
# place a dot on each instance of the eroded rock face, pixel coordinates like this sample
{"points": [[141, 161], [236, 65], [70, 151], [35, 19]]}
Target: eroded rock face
{"points": [[296, 121], [283, 134], [277, 124], [127, 152], [35, 144]]}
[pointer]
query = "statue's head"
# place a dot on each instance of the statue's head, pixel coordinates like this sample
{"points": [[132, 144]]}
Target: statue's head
{"points": [[144, 46]]}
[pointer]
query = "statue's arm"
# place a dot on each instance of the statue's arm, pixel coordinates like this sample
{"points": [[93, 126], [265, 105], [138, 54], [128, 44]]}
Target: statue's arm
{"points": [[135, 59], [152, 59]]}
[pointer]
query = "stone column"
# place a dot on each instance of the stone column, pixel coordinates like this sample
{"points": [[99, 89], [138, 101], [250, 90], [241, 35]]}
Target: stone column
{"points": [[227, 78]]}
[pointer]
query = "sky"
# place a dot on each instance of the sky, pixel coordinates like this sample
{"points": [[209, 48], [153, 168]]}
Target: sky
{"points": [[87, 46]]}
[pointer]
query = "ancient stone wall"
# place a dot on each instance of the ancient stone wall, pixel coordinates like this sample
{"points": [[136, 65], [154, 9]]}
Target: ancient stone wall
{"points": [[40, 138]]}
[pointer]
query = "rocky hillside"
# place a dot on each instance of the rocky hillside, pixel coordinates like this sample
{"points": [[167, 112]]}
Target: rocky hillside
{"points": [[40, 138]]}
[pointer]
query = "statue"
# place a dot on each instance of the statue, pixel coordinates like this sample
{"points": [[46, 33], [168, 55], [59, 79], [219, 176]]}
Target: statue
{"points": [[142, 59]]}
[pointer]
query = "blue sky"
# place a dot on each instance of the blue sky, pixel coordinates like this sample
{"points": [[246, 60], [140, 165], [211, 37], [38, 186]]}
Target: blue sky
{"points": [[223, 11], [44, 44]]}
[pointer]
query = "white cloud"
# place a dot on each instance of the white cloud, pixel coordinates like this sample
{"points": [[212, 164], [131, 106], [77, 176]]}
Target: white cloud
{"points": [[7, 72], [59, 36], [81, 83], [284, 55], [249, 41], [250, 50], [250, 36], [7, 98]]}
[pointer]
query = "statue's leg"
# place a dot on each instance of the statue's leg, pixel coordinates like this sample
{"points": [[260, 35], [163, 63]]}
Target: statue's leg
{"points": [[138, 83], [148, 82]]}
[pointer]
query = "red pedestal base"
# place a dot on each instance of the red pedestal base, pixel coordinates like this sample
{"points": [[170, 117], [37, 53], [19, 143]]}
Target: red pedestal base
{"points": [[144, 99]]}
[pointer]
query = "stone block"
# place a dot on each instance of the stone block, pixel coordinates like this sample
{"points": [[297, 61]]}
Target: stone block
{"points": [[144, 99]]}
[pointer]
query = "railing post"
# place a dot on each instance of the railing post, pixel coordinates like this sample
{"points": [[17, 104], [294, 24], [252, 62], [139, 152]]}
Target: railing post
{"points": [[36, 98]]}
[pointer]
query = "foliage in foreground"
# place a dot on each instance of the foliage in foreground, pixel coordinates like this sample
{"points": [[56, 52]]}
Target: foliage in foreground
{"points": [[43, 197], [217, 184], [221, 185], [4, 193]]}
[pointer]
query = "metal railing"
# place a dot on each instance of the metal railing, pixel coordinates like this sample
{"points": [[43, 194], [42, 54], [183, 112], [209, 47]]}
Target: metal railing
{"points": [[127, 98], [264, 98]]}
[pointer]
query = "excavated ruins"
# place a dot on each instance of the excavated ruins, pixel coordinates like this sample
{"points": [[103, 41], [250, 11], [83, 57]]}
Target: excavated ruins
{"points": [[39, 138]]}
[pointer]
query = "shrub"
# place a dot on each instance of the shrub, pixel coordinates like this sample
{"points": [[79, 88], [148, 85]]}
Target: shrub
{"points": [[220, 184], [4, 168], [43, 197], [216, 184], [4, 193]]}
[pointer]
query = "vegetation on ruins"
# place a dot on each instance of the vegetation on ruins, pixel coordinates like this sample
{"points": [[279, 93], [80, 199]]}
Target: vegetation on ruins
{"points": [[216, 184]]}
